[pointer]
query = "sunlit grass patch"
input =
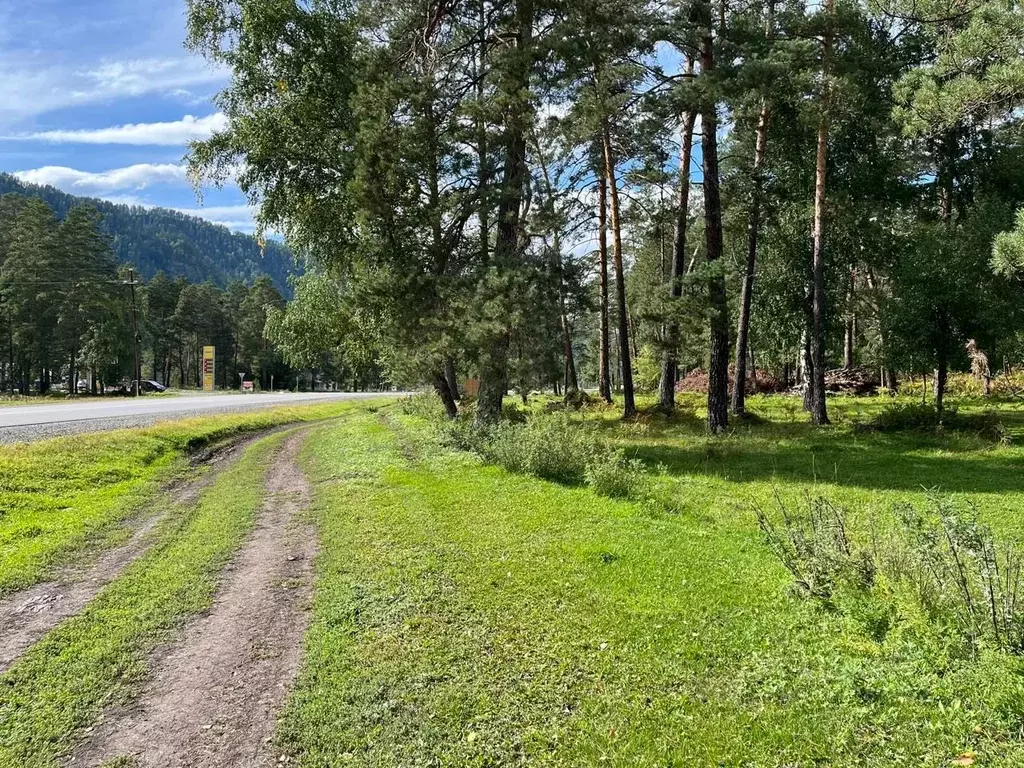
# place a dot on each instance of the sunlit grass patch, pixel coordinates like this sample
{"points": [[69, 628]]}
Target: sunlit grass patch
{"points": [[469, 616]]}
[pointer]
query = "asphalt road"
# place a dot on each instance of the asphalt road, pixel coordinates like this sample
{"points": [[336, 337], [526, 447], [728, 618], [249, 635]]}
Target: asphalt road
{"points": [[35, 422]]}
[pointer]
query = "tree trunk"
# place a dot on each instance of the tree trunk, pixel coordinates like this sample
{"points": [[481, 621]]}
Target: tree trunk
{"points": [[739, 394], [483, 164], [570, 379], [739, 385], [629, 406], [572, 382], [515, 86], [604, 351], [670, 359], [940, 383], [441, 386], [718, 364], [806, 365], [451, 378], [850, 335], [946, 179], [819, 409]]}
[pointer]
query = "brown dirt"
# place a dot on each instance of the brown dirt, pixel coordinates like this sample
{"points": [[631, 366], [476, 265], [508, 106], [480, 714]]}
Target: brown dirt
{"points": [[27, 615], [213, 698]]}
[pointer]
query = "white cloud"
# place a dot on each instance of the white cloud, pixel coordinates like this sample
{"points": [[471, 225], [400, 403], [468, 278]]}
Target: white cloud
{"points": [[175, 133], [135, 77], [87, 182], [33, 87]]}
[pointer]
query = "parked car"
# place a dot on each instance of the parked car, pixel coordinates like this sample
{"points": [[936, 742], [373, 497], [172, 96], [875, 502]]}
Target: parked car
{"points": [[148, 385]]}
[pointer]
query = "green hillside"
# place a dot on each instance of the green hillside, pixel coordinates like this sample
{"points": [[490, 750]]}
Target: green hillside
{"points": [[155, 239]]}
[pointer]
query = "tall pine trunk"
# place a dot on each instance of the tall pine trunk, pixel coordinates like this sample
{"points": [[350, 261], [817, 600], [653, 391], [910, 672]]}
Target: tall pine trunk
{"points": [[515, 86], [670, 359], [946, 180], [739, 389], [571, 379], [604, 350], [718, 362], [629, 405], [739, 385], [819, 409]]}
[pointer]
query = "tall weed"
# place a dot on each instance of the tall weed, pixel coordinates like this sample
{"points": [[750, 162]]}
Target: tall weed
{"points": [[939, 562]]}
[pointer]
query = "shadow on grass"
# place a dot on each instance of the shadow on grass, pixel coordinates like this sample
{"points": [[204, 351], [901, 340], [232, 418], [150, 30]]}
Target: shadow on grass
{"points": [[868, 462]]}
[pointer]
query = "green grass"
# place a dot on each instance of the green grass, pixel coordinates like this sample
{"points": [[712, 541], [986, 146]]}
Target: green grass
{"points": [[466, 616], [98, 656], [58, 496]]}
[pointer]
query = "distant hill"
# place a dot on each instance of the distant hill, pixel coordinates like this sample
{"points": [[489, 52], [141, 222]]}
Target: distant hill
{"points": [[155, 239]]}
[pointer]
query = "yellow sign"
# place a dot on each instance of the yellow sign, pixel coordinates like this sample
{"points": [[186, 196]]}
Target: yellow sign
{"points": [[208, 368]]}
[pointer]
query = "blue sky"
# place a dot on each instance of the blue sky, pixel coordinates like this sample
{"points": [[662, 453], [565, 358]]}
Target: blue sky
{"points": [[99, 97]]}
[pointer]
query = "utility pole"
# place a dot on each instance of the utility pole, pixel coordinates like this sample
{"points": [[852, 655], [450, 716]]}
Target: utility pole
{"points": [[137, 370]]}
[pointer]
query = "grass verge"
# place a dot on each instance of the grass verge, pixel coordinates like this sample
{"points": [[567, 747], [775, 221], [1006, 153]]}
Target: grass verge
{"points": [[57, 496], [467, 616], [98, 656]]}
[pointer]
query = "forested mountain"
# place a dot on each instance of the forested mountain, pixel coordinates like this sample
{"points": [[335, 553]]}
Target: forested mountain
{"points": [[158, 239]]}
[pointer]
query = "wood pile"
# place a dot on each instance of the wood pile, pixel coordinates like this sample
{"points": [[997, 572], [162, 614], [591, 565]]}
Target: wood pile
{"points": [[852, 381]]}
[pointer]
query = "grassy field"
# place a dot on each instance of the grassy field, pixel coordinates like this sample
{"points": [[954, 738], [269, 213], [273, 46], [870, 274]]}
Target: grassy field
{"points": [[60, 496], [465, 615], [468, 616]]}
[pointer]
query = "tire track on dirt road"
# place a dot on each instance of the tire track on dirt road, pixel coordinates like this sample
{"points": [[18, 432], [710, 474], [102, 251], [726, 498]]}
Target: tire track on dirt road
{"points": [[27, 615], [213, 697]]}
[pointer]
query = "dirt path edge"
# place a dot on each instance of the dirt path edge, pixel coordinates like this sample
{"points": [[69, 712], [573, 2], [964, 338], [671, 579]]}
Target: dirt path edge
{"points": [[213, 697]]}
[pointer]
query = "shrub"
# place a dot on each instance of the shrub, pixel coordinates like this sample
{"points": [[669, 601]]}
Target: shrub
{"points": [[613, 474], [549, 446], [941, 558], [1009, 384], [964, 385], [815, 547], [578, 399], [924, 416], [426, 405], [460, 434], [903, 416], [961, 573], [647, 370]]}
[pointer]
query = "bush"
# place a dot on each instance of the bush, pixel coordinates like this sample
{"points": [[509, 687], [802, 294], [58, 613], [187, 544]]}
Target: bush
{"points": [[549, 446], [940, 563], [903, 416], [426, 405], [460, 434], [614, 475], [964, 385], [815, 547], [924, 416], [647, 370], [1009, 384]]}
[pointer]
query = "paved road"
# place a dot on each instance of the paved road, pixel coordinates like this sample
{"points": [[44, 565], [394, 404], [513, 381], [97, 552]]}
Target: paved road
{"points": [[35, 422]]}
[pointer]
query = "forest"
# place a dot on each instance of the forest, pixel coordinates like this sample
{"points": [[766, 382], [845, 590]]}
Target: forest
{"points": [[590, 194], [160, 240], [69, 315]]}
